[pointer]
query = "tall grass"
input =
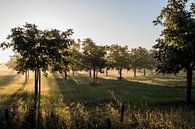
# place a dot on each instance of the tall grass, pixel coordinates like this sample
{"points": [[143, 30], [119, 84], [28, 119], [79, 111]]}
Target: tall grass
{"points": [[94, 107], [77, 116]]}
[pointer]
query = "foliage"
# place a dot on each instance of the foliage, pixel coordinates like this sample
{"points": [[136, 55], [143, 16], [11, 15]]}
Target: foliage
{"points": [[93, 56], [141, 58], [13, 61], [118, 57], [175, 49], [59, 53], [38, 49], [76, 56], [152, 62]]}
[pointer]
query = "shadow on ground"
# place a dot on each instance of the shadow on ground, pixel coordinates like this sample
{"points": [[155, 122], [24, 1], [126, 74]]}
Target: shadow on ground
{"points": [[6, 80], [78, 89]]}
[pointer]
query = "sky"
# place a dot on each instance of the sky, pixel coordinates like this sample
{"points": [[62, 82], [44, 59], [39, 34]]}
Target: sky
{"points": [[124, 22]]}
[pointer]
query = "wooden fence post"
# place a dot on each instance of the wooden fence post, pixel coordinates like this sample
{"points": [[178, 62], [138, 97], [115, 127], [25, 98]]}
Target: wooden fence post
{"points": [[109, 123], [122, 112], [6, 113]]}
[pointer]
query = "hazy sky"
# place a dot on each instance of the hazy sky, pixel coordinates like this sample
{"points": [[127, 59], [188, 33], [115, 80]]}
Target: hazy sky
{"points": [[126, 22]]}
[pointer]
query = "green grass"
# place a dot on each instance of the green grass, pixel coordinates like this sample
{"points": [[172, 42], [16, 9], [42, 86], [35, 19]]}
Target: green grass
{"points": [[153, 101], [152, 89]]}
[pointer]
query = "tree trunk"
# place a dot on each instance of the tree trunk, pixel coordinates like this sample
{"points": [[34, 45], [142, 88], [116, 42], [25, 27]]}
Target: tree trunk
{"points": [[26, 76], [96, 76], [144, 72], [189, 84], [39, 78], [36, 85], [120, 73], [106, 72], [134, 72], [37, 96], [94, 80], [90, 73], [65, 74]]}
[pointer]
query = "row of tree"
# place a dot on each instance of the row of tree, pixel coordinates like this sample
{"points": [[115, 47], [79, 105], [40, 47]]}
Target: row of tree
{"points": [[87, 55], [95, 58], [43, 50]]}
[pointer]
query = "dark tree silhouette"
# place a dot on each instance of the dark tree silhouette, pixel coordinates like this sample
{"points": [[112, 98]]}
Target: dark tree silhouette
{"points": [[59, 49], [118, 56], [175, 49], [139, 59], [38, 49], [93, 57], [76, 57]]}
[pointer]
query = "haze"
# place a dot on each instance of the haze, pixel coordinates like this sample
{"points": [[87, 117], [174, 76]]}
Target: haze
{"points": [[126, 22]]}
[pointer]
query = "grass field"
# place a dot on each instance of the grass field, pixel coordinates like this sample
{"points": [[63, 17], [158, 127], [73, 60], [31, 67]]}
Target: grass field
{"points": [[152, 101], [150, 89]]}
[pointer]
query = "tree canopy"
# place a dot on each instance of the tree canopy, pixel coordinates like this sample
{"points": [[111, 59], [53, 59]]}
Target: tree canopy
{"points": [[38, 49], [118, 56], [93, 56], [175, 49]]}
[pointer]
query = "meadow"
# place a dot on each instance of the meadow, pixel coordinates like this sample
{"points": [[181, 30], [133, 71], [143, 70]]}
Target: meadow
{"points": [[151, 101]]}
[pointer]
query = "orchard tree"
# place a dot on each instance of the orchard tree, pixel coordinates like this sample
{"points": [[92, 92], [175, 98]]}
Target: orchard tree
{"points": [[38, 49], [16, 63], [118, 56], [59, 50], [175, 49], [76, 56], [93, 57], [109, 61], [152, 62], [145, 59], [11, 64], [24, 41], [87, 45], [139, 59]]}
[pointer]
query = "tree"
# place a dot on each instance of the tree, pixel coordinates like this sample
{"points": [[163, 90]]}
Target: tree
{"points": [[109, 61], [38, 49], [12, 62], [76, 56], [119, 57], [59, 45], [24, 41], [93, 56], [152, 62], [139, 58], [86, 47], [175, 49], [16, 63]]}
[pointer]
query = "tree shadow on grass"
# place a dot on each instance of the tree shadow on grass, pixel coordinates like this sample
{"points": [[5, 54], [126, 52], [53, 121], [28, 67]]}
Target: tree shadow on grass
{"points": [[6, 80], [132, 92], [19, 95], [178, 81], [67, 88], [20, 105], [153, 95]]}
